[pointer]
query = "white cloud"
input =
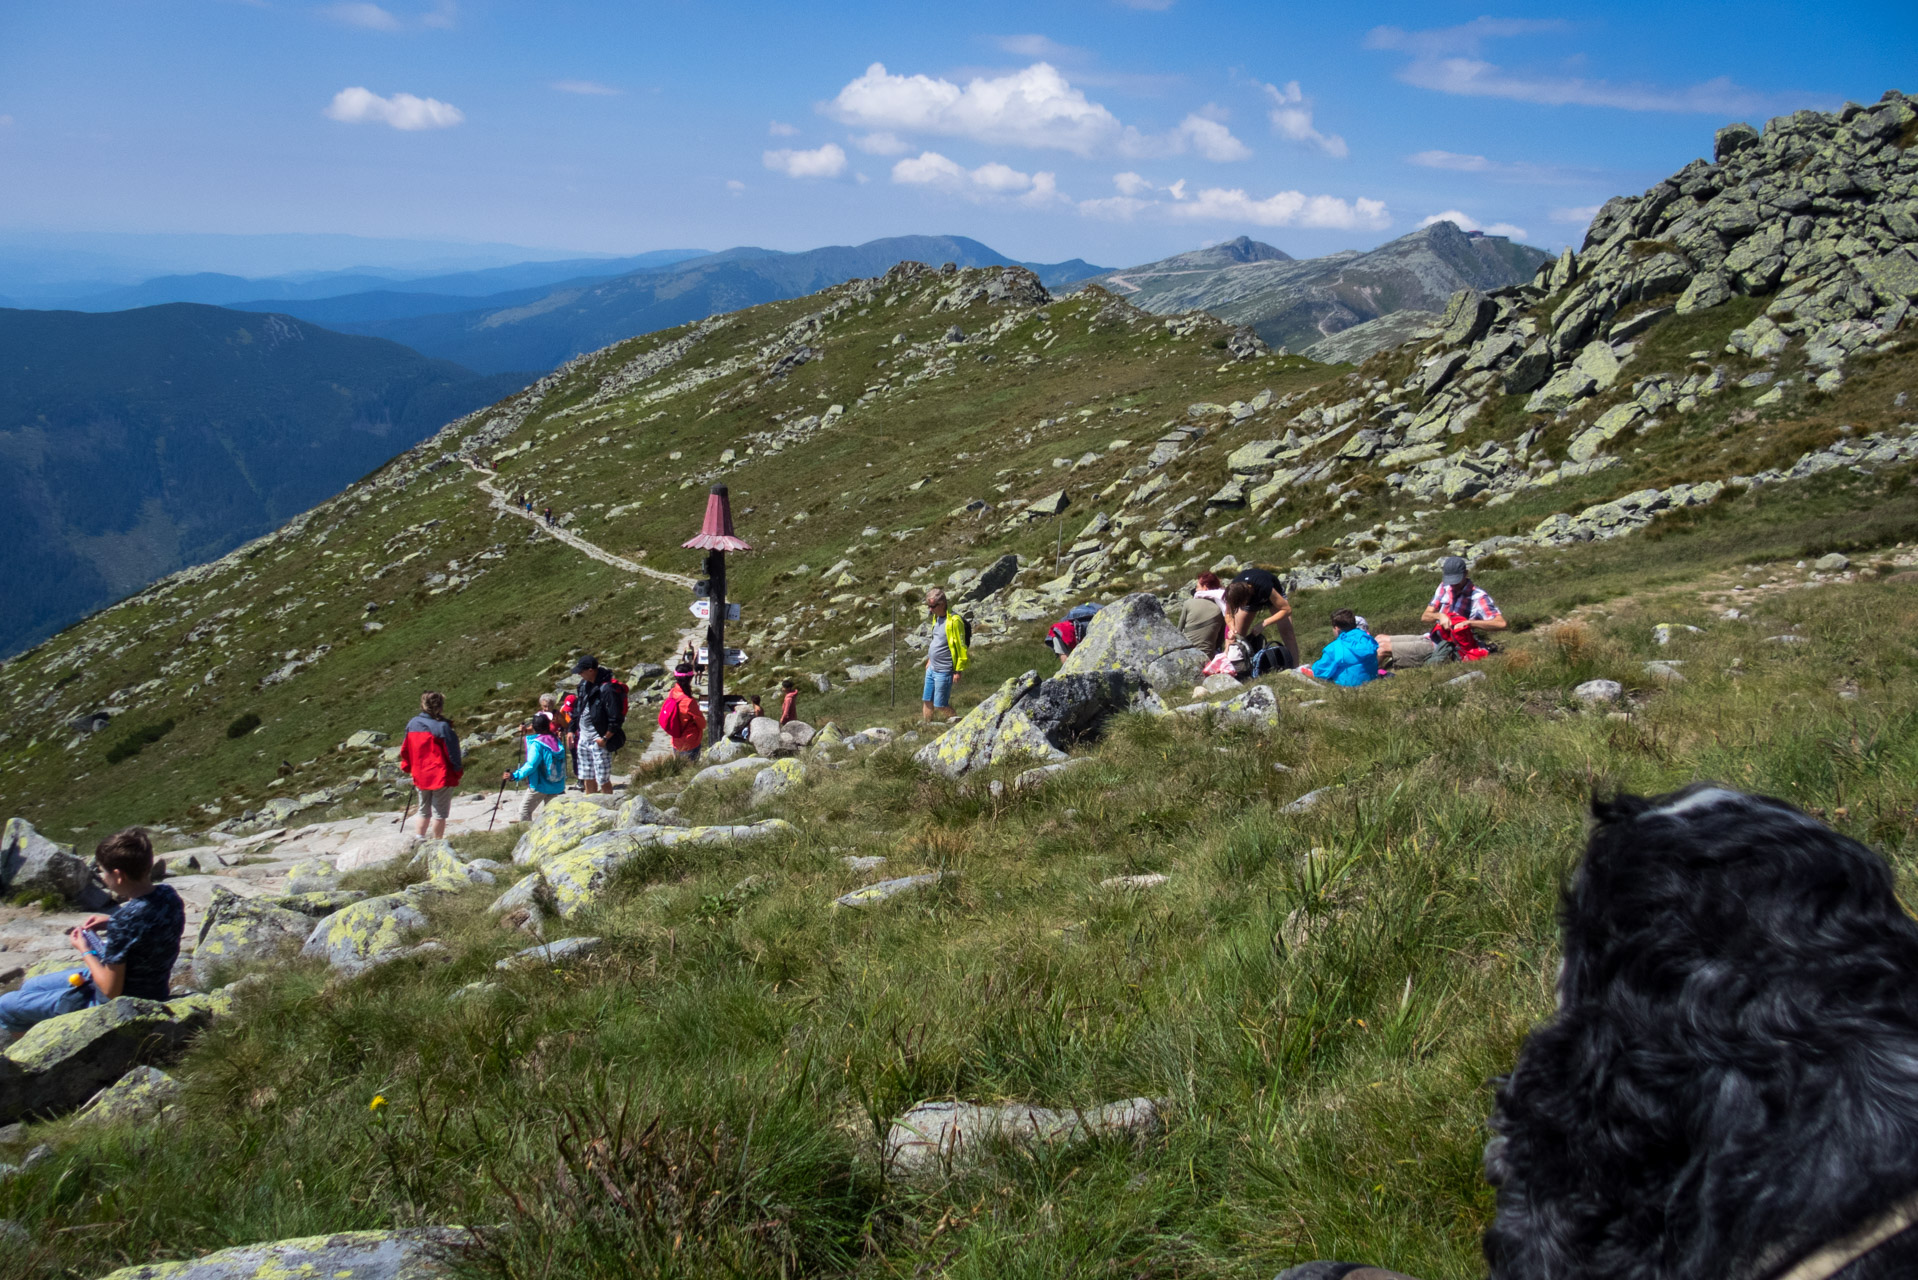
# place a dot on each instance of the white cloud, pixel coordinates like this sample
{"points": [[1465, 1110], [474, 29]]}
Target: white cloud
{"points": [[1213, 140], [359, 105], [1446, 59], [780, 129], [1283, 209], [990, 180], [1131, 184], [735, 186], [1035, 107], [1038, 46], [588, 88], [881, 143], [1466, 222], [828, 161], [1501, 170], [1578, 216], [371, 17], [1291, 117]]}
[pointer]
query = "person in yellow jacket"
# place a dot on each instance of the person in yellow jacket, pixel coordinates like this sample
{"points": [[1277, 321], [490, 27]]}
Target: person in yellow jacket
{"points": [[946, 656]]}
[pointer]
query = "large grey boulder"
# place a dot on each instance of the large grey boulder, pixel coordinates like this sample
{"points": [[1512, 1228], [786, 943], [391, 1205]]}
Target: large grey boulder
{"points": [[32, 866], [412, 1254], [368, 933], [765, 737], [144, 1093], [239, 930], [1133, 636], [998, 575], [57, 1065], [1030, 718], [937, 1134]]}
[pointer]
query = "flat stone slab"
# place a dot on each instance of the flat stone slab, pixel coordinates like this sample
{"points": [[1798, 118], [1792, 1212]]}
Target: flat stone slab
{"points": [[1134, 884], [935, 1134], [347, 1255], [1039, 776], [886, 889], [552, 954]]}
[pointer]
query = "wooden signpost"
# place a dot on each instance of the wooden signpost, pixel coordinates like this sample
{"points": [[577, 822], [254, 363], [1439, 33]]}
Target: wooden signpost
{"points": [[716, 538]]}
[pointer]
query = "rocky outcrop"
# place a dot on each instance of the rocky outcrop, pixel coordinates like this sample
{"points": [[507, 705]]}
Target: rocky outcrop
{"points": [[1133, 636], [142, 1094], [59, 1064], [574, 878], [32, 866], [412, 1254], [238, 931], [561, 823], [1030, 718], [776, 780], [368, 933]]}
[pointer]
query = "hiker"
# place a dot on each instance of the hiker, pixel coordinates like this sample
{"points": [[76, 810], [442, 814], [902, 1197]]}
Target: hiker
{"points": [[1352, 659], [1203, 616], [430, 755], [1458, 612], [740, 714], [598, 734], [549, 515], [1244, 631], [544, 772], [946, 656], [134, 957], [680, 715], [788, 701], [1266, 593]]}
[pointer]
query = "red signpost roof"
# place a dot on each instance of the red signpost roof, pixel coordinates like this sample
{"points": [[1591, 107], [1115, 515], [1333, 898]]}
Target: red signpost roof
{"points": [[716, 534]]}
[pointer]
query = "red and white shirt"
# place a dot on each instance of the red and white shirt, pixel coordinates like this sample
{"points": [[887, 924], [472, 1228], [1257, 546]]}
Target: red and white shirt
{"points": [[1446, 600]]}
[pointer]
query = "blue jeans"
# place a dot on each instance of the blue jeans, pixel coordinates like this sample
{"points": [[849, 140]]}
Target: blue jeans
{"points": [[47, 996], [938, 689]]}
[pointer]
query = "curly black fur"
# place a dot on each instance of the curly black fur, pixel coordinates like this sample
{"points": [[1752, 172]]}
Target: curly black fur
{"points": [[1731, 1080]]}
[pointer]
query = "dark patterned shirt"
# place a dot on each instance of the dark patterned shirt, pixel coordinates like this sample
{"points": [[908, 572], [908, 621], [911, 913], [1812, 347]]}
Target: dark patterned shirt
{"points": [[144, 935]]}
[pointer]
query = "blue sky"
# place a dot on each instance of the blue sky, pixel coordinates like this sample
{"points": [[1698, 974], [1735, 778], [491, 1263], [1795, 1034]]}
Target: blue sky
{"points": [[1111, 130]]}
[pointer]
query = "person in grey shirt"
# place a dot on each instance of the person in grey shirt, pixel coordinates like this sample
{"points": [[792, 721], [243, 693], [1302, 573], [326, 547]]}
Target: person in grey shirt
{"points": [[946, 656]]}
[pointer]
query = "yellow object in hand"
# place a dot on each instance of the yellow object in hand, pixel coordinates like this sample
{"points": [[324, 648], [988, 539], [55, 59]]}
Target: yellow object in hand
{"points": [[74, 979]]}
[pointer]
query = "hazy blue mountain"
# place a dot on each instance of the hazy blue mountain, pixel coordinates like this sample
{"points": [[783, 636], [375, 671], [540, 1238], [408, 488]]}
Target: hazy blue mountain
{"points": [[1296, 302], [138, 442], [219, 289], [542, 332]]}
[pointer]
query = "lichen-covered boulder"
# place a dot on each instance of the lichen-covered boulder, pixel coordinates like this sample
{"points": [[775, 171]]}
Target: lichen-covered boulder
{"points": [[365, 934], [1030, 718], [728, 769], [638, 812], [773, 782], [411, 1254], [797, 734], [1132, 635], [240, 930], [561, 824], [60, 1063], [1257, 705], [828, 737], [313, 875], [144, 1093], [316, 903], [33, 866], [577, 878]]}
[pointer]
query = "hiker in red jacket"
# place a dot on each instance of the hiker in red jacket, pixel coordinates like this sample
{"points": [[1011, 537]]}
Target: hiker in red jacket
{"points": [[788, 701], [680, 716], [431, 756]]}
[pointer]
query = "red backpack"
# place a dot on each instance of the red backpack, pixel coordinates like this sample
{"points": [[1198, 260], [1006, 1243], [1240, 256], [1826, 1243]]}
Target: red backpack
{"points": [[1064, 636]]}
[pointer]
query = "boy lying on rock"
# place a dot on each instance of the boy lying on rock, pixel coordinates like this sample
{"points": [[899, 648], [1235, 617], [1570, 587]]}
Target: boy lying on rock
{"points": [[134, 957]]}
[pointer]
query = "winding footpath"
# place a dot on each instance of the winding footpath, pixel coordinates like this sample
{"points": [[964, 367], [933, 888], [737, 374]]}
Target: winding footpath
{"points": [[502, 503]]}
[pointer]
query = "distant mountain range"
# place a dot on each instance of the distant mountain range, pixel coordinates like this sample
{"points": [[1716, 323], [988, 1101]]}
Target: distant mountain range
{"points": [[541, 328], [138, 442], [1299, 302]]}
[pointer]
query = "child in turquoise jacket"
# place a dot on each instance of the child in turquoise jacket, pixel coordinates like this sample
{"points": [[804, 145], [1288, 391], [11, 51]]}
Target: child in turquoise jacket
{"points": [[545, 769], [1353, 656]]}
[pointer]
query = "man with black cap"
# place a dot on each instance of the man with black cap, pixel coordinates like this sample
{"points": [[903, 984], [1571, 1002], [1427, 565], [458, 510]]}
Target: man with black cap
{"points": [[596, 713]]}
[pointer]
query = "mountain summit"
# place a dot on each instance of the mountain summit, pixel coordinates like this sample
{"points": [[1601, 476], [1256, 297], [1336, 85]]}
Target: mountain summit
{"points": [[1298, 302]]}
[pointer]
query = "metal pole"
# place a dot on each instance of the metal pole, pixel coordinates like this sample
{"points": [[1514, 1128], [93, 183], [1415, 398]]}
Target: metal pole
{"points": [[716, 649], [892, 663]]}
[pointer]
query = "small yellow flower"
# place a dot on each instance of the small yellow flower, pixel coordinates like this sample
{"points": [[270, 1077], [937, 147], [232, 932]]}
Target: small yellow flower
{"points": [[379, 1100]]}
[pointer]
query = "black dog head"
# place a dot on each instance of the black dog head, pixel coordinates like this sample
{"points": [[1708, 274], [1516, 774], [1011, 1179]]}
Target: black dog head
{"points": [[1731, 1080]]}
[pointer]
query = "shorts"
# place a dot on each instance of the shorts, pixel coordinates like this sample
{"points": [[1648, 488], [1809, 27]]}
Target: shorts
{"points": [[594, 764], [938, 689], [437, 803]]}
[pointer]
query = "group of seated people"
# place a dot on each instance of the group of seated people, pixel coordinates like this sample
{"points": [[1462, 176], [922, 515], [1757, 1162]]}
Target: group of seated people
{"points": [[1245, 629]]}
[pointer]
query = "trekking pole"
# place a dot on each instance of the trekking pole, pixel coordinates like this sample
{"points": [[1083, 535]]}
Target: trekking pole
{"points": [[892, 663], [496, 803], [408, 809]]}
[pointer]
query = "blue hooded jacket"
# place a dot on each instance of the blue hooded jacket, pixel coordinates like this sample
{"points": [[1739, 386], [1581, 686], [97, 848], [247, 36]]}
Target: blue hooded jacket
{"points": [[1351, 659], [541, 750]]}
